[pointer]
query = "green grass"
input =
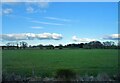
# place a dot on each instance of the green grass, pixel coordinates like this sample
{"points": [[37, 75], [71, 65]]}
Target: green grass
{"points": [[46, 62]]}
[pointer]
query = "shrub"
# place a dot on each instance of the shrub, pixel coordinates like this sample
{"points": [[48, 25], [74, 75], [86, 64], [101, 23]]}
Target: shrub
{"points": [[65, 74]]}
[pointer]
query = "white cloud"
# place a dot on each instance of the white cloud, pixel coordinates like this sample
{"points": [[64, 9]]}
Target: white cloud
{"points": [[37, 0], [7, 11], [112, 37], [60, 0], [25, 0], [37, 27], [43, 4], [40, 6], [30, 10], [13, 37], [76, 39], [44, 36], [10, 0], [54, 36], [48, 23], [58, 19], [30, 36]]}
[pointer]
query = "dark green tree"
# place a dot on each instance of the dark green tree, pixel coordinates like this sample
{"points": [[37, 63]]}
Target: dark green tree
{"points": [[23, 44], [60, 46]]}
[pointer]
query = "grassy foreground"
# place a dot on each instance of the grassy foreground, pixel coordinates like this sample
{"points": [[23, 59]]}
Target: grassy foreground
{"points": [[46, 62]]}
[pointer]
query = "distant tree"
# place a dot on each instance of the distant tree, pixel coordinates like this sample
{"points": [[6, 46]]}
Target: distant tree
{"points": [[30, 46], [8, 45], [81, 45], [93, 44], [71, 45], [40, 46], [17, 45], [23, 44], [11, 45], [86, 46], [49, 47], [109, 44], [68, 45], [60, 46]]}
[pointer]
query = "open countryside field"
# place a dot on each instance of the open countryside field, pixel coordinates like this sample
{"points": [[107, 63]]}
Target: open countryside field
{"points": [[47, 62]]}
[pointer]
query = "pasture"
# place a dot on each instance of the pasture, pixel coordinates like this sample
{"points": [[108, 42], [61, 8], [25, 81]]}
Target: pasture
{"points": [[47, 62]]}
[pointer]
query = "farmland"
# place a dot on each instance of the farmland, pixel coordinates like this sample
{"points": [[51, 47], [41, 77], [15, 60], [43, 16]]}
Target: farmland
{"points": [[46, 62]]}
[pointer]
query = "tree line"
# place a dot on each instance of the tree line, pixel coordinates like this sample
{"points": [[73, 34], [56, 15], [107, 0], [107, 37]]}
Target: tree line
{"points": [[90, 45]]}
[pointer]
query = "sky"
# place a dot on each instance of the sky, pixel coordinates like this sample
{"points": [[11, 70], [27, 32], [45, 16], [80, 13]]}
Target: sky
{"points": [[59, 22]]}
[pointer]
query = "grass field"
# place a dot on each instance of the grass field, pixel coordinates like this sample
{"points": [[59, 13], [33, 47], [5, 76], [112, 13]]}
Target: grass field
{"points": [[46, 62]]}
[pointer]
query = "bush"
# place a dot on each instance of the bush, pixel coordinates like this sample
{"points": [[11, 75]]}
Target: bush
{"points": [[65, 74]]}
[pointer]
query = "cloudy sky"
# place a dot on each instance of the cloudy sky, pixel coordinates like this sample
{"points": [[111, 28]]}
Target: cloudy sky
{"points": [[59, 22]]}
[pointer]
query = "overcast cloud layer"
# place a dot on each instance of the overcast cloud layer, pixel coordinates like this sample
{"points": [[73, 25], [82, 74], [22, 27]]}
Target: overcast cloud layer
{"points": [[30, 36]]}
